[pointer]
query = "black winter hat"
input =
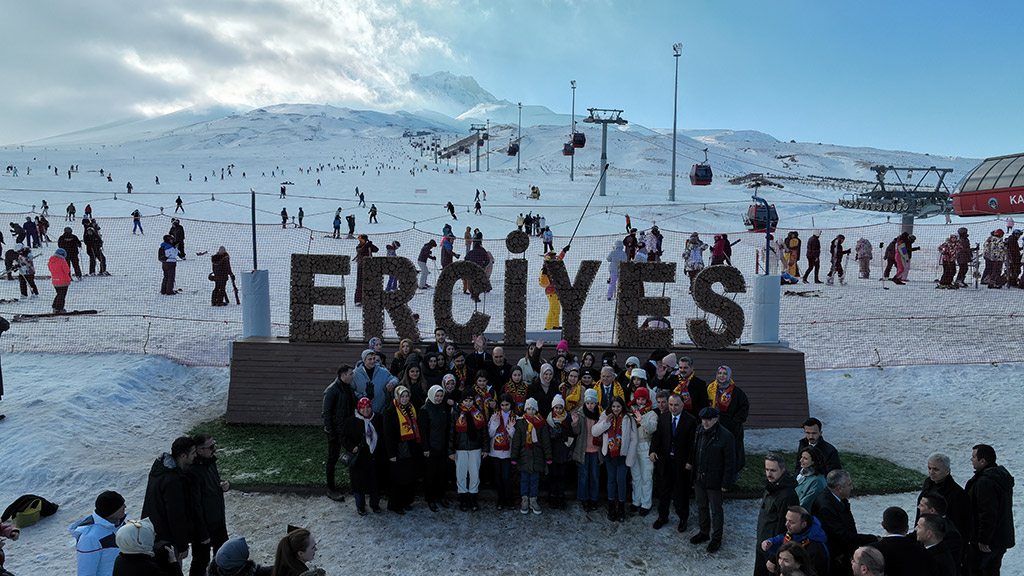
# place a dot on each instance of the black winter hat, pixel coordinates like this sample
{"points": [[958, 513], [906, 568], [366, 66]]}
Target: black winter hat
{"points": [[108, 502]]}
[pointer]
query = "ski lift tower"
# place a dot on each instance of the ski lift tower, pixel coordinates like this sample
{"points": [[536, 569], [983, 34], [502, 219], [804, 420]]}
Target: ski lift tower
{"points": [[604, 117], [478, 128]]}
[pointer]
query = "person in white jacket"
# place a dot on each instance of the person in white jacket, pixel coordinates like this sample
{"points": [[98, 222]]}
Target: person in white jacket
{"points": [[96, 536], [500, 427], [646, 421], [617, 432]]}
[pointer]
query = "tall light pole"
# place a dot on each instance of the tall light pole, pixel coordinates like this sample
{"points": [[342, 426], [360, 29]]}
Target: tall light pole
{"points": [[572, 130], [677, 51], [519, 138], [488, 133]]}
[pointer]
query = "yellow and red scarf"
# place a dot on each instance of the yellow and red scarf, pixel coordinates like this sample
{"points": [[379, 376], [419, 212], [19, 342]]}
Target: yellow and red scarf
{"points": [[615, 436], [720, 398], [408, 427], [616, 391], [572, 397], [480, 398], [683, 389], [518, 393], [533, 423], [460, 376], [462, 422], [501, 437]]}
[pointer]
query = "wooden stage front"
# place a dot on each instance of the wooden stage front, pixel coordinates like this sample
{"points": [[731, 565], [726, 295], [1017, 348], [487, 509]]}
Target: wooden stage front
{"points": [[274, 381]]}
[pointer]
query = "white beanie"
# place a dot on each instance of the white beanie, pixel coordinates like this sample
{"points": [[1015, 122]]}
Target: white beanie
{"points": [[532, 403]]}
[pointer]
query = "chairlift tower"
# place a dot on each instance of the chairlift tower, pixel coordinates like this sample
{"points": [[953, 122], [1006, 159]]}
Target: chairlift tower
{"points": [[572, 130], [604, 117], [478, 128], [520, 136], [677, 51]]}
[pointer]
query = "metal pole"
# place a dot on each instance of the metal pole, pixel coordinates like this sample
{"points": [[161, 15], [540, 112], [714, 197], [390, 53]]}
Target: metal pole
{"points": [[519, 139], [253, 202], [604, 154], [572, 130], [488, 132], [677, 51], [767, 229]]}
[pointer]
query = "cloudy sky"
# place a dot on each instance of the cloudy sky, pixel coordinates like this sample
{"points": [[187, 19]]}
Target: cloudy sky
{"points": [[906, 75]]}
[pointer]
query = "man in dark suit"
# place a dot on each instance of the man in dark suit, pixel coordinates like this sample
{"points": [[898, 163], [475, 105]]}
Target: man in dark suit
{"points": [[692, 389], [779, 496], [930, 532], [812, 437], [991, 495], [903, 556], [934, 503], [832, 509], [479, 359], [670, 451], [498, 369], [940, 480]]}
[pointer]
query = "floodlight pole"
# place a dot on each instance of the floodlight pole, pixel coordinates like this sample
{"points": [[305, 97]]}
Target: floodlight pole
{"points": [[252, 200], [572, 131], [488, 132], [519, 139], [677, 51]]}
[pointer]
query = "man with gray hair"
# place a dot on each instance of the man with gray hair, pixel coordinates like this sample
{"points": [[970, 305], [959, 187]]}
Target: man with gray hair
{"points": [[867, 561], [832, 509], [940, 481]]}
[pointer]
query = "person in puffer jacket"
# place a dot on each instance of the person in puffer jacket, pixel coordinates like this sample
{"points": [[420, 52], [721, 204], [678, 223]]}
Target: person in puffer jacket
{"points": [[96, 536]]}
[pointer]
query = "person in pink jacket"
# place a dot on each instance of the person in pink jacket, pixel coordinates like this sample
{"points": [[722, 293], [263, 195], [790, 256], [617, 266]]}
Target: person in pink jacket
{"points": [[61, 278]]}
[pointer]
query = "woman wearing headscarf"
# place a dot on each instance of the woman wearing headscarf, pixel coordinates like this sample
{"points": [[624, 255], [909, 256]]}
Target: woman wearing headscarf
{"points": [[361, 436], [571, 390], [402, 437], [434, 422], [586, 449], [733, 406], [139, 555], [544, 389]]}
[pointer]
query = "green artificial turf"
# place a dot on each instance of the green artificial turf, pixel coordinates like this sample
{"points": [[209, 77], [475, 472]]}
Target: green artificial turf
{"points": [[293, 457]]}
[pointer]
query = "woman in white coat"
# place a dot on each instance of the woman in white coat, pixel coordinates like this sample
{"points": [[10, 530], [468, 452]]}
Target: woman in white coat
{"points": [[646, 421], [618, 452]]}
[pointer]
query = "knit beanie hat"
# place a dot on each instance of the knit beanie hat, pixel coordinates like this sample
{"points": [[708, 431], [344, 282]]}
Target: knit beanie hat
{"points": [[232, 555], [669, 360], [365, 352], [642, 393], [556, 401], [562, 345], [532, 403], [108, 502], [136, 537], [638, 373], [61, 252], [633, 360], [590, 395]]}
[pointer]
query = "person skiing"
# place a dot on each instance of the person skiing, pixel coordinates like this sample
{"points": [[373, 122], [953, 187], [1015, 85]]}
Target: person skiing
{"points": [[902, 256], [631, 244], [548, 238], [26, 271], [836, 249], [168, 256], [862, 254], [629, 224], [373, 214], [337, 226], [70, 212], [813, 256], [137, 222], [392, 250], [653, 241], [425, 255], [693, 255], [994, 252], [362, 200], [71, 246], [448, 250], [129, 187], [948, 253], [60, 275], [284, 217], [31, 232], [284, 192], [520, 221], [221, 263], [476, 208], [18, 233], [718, 254], [351, 219], [94, 248], [45, 210], [88, 211], [618, 254], [451, 210], [177, 232], [43, 225], [301, 216]]}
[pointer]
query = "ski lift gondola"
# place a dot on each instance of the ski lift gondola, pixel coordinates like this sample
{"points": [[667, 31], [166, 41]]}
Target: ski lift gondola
{"points": [[485, 136], [700, 174], [579, 139], [480, 142], [757, 220], [513, 149], [568, 149]]}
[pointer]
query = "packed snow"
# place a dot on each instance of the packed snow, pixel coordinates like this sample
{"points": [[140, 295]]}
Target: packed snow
{"points": [[78, 424]]}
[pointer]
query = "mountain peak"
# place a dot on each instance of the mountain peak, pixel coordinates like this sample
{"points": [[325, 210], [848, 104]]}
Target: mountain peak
{"points": [[448, 93]]}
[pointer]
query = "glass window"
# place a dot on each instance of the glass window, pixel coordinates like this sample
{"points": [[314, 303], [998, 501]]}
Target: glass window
{"points": [[974, 178], [1006, 179], [989, 181]]}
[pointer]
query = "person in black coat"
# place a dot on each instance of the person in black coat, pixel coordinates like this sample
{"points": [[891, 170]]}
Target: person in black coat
{"points": [[952, 539], [670, 450], [170, 503], [208, 491], [691, 388], [221, 263], [832, 509], [71, 244], [714, 471], [544, 389], [733, 407], [361, 435], [930, 532], [434, 421], [779, 496], [903, 556], [94, 248], [812, 437], [991, 495], [957, 506], [177, 232], [403, 441], [339, 405]]}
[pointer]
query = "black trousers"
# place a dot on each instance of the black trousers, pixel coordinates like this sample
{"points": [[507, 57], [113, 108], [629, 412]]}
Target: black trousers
{"points": [[333, 453], [27, 281], [58, 300], [73, 261], [673, 487], [167, 287], [814, 265], [201, 552], [948, 271], [962, 273]]}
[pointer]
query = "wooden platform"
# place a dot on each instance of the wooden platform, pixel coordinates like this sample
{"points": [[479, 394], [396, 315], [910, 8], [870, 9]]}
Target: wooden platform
{"points": [[274, 381]]}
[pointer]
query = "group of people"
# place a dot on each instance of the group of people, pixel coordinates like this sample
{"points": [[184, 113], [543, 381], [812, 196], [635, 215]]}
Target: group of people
{"points": [[805, 524], [183, 514], [441, 413]]}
